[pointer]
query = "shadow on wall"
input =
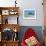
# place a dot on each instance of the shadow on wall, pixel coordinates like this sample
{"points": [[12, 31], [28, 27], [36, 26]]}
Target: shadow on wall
{"points": [[37, 29]]}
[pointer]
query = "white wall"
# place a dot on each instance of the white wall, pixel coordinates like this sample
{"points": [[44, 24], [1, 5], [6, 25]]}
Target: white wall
{"points": [[34, 4], [7, 3], [23, 4]]}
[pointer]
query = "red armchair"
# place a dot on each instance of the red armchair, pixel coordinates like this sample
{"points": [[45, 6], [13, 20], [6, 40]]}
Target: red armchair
{"points": [[29, 34]]}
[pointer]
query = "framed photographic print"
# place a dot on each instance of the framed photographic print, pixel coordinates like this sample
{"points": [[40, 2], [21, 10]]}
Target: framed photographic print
{"points": [[29, 14], [5, 12]]}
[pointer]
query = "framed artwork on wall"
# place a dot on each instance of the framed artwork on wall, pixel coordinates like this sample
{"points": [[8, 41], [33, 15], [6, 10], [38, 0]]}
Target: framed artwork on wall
{"points": [[29, 14], [5, 12]]}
